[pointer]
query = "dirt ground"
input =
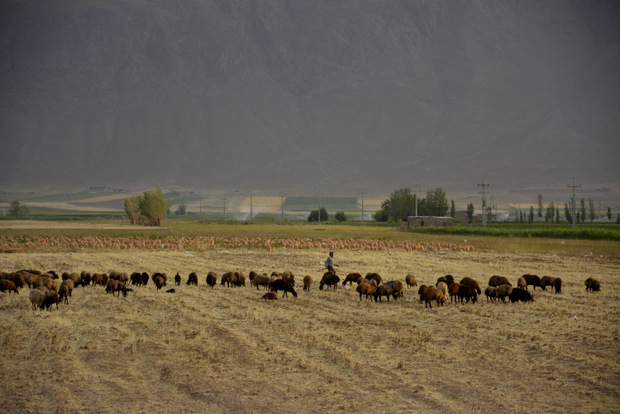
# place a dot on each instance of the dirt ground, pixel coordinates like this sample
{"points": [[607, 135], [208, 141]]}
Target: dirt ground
{"points": [[225, 350]]}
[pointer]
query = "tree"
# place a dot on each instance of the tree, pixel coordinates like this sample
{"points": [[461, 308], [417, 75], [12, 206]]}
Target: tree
{"points": [[314, 215], [18, 210], [608, 214], [557, 215], [132, 208], [582, 209], [147, 209], [540, 207], [530, 217], [592, 210], [435, 203], [550, 212], [400, 205], [489, 213], [340, 216], [181, 210], [381, 215], [470, 212], [567, 213], [452, 209]]}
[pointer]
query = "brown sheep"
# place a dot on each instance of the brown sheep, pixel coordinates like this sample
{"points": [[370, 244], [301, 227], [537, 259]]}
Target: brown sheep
{"points": [[531, 280], [289, 277], [211, 279], [467, 293], [498, 280], [592, 285], [453, 291], [261, 280], [443, 287], [366, 289], [158, 274], [9, 285], [307, 283], [471, 282], [491, 293], [382, 290], [410, 280], [433, 294], [375, 276], [397, 289], [159, 282], [445, 279], [36, 298], [115, 285], [352, 277], [51, 297], [557, 284], [422, 291], [270, 295], [65, 289], [503, 291], [192, 279], [546, 281], [521, 283]]}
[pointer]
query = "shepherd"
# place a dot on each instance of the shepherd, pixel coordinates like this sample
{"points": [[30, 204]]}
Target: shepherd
{"points": [[329, 262]]}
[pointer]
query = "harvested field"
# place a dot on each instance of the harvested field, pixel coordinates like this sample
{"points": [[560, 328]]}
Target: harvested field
{"points": [[225, 350]]}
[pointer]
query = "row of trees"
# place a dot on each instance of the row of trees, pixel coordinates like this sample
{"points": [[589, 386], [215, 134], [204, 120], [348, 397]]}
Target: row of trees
{"points": [[340, 216], [402, 203], [148, 209]]}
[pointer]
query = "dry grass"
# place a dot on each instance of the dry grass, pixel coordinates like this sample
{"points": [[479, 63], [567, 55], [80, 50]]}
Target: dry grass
{"points": [[225, 350]]}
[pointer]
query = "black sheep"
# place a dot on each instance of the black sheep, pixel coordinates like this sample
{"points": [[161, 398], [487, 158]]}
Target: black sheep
{"points": [[177, 279], [522, 295], [329, 279], [192, 279], [283, 285]]}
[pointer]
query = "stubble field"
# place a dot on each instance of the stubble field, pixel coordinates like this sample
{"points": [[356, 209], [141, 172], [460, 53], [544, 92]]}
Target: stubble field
{"points": [[226, 350]]}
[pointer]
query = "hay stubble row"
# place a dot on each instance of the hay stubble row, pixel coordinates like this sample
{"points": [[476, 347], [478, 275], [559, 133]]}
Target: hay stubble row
{"points": [[226, 350]]}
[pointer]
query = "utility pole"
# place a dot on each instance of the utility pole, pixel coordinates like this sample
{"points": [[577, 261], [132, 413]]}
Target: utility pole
{"points": [[282, 207], [484, 204], [363, 192], [574, 203]]}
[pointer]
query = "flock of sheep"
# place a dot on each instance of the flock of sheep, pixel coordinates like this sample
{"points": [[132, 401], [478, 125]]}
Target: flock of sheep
{"points": [[48, 288]]}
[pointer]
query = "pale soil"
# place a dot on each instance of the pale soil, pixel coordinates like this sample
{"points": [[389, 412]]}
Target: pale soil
{"points": [[225, 350], [46, 225]]}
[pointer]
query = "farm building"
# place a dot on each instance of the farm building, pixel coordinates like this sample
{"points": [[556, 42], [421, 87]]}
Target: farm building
{"points": [[428, 221]]}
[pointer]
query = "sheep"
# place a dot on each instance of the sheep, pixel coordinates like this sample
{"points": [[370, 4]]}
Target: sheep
{"points": [[51, 297], [283, 285], [261, 280], [546, 281], [162, 275], [453, 291], [521, 283], [496, 280], [9, 285], [251, 275], [159, 282], [531, 280], [432, 293], [192, 279], [30, 279], [19, 278], [519, 294], [592, 285], [211, 279], [115, 285], [85, 278], [36, 298], [307, 283], [65, 289], [422, 291], [289, 277], [48, 282], [352, 277], [145, 278], [410, 280], [447, 280], [177, 280], [467, 293], [366, 289], [383, 290], [270, 296], [241, 280], [136, 278], [557, 284], [491, 293], [375, 276], [443, 287], [329, 279], [99, 279], [397, 289], [503, 291], [471, 282]]}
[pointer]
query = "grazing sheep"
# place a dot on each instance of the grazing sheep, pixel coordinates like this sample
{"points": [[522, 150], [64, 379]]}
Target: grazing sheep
{"points": [[592, 285], [433, 294], [522, 295], [162, 275], [145, 278], [115, 285], [9, 285], [531, 280], [503, 291], [521, 283], [351, 277], [289, 277], [241, 280], [443, 287], [471, 282], [374, 276], [136, 278], [251, 275], [192, 279], [410, 280], [546, 281], [99, 279], [30, 279], [397, 289], [19, 278], [307, 283], [211, 279], [270, 296], [36, 298], [329, 279], [445, 280], [557, 284], [366, 289], [284, 286], [422, 291], [496, 280], [51, 297], [453, 291], [65, 289], [159, 282], [491, 293], [382, 290], [85, 278], [467, 293], [261, 280], [177, 280]]}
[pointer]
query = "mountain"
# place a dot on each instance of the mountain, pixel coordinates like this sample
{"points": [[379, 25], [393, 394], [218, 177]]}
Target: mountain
{"points": [[296, 96]]}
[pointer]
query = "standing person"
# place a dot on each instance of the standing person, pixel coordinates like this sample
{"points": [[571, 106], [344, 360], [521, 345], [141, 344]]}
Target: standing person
{"points": [[329, 262]]}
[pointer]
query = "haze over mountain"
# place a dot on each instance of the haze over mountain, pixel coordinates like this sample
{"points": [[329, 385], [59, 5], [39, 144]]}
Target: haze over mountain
{"points": [[296, 96]]}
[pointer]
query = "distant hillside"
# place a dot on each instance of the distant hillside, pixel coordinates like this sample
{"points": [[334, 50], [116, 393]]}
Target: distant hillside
{"points": [[299, 95]]}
